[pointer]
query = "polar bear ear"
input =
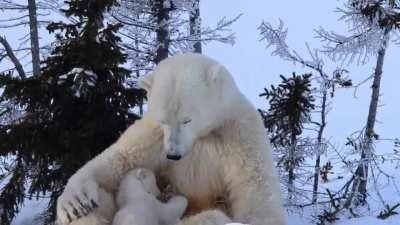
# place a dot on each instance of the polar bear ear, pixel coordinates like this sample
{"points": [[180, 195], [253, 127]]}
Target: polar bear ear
{"points": [[146, 82]]}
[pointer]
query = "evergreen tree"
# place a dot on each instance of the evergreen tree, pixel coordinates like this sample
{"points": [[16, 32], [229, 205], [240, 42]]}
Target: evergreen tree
{"points": [[291, 104], [326, 82], [76, 108]]}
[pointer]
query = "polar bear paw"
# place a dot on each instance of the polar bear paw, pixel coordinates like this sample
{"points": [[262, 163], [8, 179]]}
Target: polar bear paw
{"points": [[78, 199]]}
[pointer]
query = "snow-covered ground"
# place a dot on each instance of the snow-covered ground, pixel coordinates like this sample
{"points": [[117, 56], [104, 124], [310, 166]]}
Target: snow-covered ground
{"points": [[32, 208], [301, 219], [367, 215], [296, 219], [385, 191]]}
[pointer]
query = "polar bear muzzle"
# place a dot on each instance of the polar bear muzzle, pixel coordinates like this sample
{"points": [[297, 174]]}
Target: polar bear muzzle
{"points": [[174, 157]]}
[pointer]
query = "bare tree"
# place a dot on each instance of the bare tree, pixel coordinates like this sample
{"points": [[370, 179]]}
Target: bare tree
{"points": [[146, 25], [10, 53], [33, 25], [33, 14], [161, 9], [195, 25], [371, 22]]}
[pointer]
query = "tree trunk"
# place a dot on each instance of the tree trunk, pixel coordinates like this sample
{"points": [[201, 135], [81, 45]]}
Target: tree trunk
{"points": [[161, 10], [137, 77], [359, 188], [33, 25], [319, 140], [195, 26], [13, 58], [291, 166]]}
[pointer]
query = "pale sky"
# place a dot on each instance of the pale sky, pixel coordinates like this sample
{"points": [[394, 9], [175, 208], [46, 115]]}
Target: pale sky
{"points": [[254, 68]]}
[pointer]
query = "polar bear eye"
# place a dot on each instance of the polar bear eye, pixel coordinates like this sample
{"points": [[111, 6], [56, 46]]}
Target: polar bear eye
{"points": [[186, 121]]}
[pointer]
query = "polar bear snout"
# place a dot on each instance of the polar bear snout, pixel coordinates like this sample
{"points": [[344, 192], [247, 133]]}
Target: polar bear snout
{"points": [[175, 151], [174, 157], [172, 150], [177, 141]]}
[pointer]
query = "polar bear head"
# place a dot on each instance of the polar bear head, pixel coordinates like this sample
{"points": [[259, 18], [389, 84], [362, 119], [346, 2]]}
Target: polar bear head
{"points": [[189, 95], [145, 178]]}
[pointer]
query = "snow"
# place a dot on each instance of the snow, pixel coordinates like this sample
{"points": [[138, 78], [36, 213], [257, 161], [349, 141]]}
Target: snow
{"points": [[30, 212], [166, 4], [33, 208], [83, 78], [307, 215], [101, 36], [297, 219], [371, 220]]}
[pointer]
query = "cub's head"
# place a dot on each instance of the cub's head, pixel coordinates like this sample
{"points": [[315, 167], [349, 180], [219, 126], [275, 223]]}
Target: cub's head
{"points": [[147, 178], [189, 95]]}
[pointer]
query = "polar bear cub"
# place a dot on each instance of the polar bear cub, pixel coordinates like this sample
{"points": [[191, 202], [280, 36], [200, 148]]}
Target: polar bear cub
{"points": [[138, 204]]}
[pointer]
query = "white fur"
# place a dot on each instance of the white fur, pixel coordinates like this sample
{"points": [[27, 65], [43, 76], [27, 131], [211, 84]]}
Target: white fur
{"points": [[138, 205], [208, 217], [224, 147], [103, 215]]}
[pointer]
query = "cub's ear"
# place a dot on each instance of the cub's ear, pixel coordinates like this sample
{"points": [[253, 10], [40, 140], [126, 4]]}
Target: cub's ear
{"points": [[146, 82], [141, 174]]}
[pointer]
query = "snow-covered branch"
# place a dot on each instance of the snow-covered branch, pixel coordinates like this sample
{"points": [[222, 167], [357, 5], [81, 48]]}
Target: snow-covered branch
{"points": [[222, 32], [276, 38], [357, 47], [368, 22], [13, 58], [183, 27]]}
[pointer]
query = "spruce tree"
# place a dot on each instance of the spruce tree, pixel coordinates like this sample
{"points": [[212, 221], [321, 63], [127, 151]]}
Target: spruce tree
{"points": [[76, 108], [291, 103]]}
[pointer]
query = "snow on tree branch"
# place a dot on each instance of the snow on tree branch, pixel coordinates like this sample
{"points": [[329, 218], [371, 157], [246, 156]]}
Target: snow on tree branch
{"points": [[140, 29], [276, 37], [369, 23], [221, 33], [357, 47]]}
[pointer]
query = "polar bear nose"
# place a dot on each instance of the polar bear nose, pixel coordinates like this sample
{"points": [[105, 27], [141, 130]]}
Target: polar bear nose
{"points": [[174, 157]]}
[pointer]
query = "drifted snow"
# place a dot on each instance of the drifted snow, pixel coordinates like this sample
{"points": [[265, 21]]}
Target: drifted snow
{"points": [[236, 224]]}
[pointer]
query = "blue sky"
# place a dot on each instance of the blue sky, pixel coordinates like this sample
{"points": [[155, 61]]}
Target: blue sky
{"points": [[254, 68]]}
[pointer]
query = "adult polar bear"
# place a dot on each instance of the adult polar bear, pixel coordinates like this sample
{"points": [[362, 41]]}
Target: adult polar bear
{"points": [[200, 135]]}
